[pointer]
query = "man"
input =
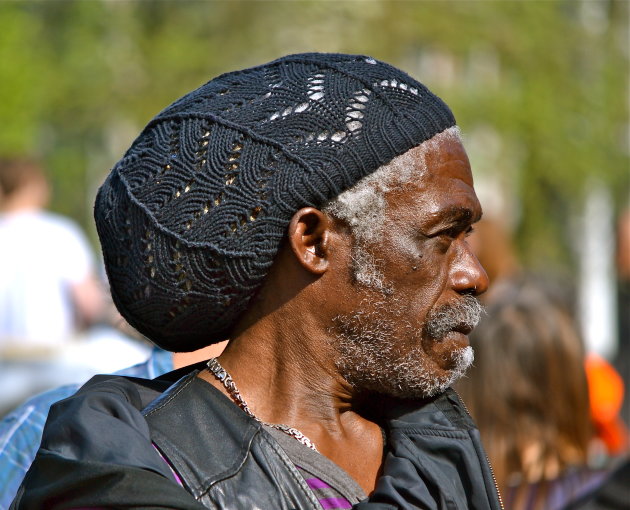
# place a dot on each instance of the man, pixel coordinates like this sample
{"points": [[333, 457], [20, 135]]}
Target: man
{"points": [[314, 210], [42, 298]]}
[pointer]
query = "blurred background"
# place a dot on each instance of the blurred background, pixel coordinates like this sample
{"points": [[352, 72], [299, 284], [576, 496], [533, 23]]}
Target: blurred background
{"points": [[539, 88]]}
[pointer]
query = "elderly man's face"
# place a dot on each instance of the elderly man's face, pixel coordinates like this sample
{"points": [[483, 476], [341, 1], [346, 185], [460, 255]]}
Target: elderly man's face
{"points": [[408, 336]]}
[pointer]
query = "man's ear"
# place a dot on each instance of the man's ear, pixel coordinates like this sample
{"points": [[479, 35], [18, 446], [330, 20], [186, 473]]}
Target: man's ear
{"points": [[309, 237]]}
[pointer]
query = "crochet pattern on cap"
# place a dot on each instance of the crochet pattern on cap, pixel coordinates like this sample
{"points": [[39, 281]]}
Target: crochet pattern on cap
{"points": [[191, 218]]}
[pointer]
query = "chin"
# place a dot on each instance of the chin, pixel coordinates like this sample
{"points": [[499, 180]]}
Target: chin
{"points": [[412, 376], [430, 381]]}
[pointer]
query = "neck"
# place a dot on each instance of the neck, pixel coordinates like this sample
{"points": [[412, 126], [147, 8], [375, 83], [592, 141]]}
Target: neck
{"points": [[182, 359], [285, 372]]}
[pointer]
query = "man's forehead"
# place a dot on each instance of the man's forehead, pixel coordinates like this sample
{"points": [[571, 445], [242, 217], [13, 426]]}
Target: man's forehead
{"points": [[443, 198], [443, 156], [444, 153], [440, 163], [441, 190]]}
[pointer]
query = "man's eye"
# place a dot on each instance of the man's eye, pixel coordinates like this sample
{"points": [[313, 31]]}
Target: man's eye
{"points": [[457, 231], [451, 232], [448, 235]]}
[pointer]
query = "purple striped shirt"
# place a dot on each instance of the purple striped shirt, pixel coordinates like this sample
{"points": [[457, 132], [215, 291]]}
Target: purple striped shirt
{"points": [[324, 494]]}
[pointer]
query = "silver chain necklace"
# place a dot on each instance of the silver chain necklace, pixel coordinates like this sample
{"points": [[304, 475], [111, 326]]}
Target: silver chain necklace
{"points": [[226, 379]]}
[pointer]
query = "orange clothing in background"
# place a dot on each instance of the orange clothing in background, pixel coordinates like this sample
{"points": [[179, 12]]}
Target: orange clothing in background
{"points": [[606, 392]]}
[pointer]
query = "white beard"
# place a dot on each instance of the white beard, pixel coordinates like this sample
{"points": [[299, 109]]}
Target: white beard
{"points": [[369, 357]]}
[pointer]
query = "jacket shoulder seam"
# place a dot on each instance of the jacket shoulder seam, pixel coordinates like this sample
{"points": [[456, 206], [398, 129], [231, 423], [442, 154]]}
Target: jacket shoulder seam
{"points": [[171, 396]]}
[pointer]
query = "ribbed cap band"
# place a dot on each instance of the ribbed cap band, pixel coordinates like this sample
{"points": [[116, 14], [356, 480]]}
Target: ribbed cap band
{"points": [[191, 218]]}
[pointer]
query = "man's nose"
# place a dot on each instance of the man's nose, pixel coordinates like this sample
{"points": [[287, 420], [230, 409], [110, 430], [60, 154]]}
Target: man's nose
{"points": [[467, 274]]}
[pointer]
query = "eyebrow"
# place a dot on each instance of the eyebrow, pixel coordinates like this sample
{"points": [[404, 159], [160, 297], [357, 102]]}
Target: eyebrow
{"points": [[449, 218]]}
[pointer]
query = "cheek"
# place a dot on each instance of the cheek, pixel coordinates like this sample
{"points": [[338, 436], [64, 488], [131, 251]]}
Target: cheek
{"points": [[419, 284], [423, 268], [415, 271]]}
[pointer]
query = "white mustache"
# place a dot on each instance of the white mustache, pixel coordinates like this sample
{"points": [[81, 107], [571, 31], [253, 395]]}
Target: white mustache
{"points": [[465, 314]]}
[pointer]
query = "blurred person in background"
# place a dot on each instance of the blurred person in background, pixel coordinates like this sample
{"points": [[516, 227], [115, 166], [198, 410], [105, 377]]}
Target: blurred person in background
{"points": [[529, 394], [493, 245], [48, 283]]}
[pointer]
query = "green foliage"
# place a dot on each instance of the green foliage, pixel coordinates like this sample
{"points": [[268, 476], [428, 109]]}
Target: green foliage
{"points": [[78, 80]]}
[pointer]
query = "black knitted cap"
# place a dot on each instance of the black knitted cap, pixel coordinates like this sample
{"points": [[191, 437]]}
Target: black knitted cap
{"points": [[191, 218]]}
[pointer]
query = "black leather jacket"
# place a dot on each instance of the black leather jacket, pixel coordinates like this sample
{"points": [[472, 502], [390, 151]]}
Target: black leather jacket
{"points": [[106, 447]]}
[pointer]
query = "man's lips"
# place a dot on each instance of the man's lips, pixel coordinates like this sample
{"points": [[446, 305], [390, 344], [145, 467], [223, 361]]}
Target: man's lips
{"points": [[461, 328]]}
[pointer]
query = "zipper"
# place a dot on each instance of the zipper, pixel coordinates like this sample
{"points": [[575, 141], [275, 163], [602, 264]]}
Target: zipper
{"points": [[494, 478]]}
